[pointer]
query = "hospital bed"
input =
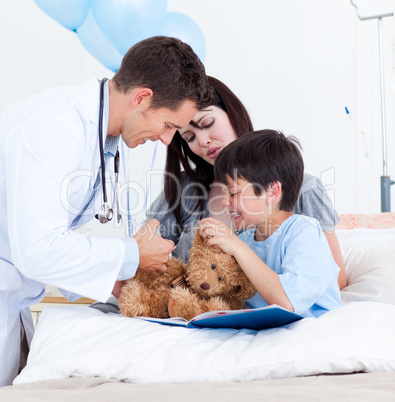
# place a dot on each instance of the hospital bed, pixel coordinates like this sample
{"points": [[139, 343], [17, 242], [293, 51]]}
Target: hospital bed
{"points": [[81, 354]]}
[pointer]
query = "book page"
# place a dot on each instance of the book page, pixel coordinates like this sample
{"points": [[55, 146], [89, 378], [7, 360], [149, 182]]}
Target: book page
{"points": [[212, 314], [177, 321]]}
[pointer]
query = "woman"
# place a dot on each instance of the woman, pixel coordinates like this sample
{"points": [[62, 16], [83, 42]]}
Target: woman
{"points": [[192, 194]]}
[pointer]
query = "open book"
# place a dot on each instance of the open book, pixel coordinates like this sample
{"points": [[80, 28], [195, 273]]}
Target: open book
{"points": [[260, 318]]}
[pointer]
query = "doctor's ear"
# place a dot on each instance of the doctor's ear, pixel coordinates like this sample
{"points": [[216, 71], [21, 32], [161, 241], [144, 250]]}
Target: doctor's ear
{"points": [[141, 98]]}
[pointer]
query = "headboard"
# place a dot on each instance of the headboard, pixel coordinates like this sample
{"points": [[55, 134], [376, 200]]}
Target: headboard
{"points": [[384, 220]]}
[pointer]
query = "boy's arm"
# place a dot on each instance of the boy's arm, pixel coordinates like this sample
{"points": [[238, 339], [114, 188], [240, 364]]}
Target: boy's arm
{"points": [[266, 281]]}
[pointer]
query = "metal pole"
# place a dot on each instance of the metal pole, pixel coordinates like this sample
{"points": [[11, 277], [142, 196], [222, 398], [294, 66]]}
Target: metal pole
{"points": [[385, 180], [382, 94]]}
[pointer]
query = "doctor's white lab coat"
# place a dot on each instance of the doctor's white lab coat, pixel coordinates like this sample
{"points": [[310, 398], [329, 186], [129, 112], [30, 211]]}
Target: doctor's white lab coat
{"points": [[49, 159]]}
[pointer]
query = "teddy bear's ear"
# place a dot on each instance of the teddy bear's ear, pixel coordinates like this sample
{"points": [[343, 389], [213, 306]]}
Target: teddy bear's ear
{"points": [[245, 290], [198, 239], [199, 244]]}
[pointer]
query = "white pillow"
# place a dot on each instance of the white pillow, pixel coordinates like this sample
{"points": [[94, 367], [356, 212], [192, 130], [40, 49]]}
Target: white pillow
{"points": [[366, 237], [80, 341], [370, 273]]}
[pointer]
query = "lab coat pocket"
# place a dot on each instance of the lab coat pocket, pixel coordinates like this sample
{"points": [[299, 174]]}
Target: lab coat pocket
{"points": [[3, 313]]}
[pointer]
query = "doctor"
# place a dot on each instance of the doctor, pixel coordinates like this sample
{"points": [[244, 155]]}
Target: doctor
{"points": [[50, 154]]}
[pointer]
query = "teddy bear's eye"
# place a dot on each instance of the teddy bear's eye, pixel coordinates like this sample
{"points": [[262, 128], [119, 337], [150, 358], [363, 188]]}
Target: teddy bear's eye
{"points": [[220, 278], [212, 266]]}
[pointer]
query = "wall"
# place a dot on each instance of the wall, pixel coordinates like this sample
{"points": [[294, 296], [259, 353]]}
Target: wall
{"points": [[296, 64]]}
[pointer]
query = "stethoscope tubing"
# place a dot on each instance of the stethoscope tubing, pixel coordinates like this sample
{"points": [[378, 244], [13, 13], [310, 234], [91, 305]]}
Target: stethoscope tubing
{"points": [[106, 213], [103, 167]]}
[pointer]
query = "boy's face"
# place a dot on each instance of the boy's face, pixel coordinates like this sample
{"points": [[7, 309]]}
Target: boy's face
{"points": [[247, 209]]}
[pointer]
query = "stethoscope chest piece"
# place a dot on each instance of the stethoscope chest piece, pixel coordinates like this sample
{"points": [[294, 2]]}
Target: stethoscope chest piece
{"points": [[105, 214]]}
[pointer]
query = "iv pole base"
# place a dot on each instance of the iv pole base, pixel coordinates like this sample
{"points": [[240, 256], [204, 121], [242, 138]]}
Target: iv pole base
{"points": [[386, 184]]}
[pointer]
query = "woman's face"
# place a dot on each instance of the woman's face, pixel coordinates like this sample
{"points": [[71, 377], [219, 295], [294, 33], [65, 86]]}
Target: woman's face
{"points": [[208, 133]]}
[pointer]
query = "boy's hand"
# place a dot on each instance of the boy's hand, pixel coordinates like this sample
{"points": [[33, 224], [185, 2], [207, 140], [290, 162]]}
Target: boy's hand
{"points": [[214, 231]]}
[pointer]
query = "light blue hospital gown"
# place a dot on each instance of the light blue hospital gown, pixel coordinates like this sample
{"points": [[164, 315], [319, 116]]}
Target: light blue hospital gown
{"points": [[299, 253]]}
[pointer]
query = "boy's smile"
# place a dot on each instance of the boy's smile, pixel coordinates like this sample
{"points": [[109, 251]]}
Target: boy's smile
{"points": [[247, 209], [251, 211]]}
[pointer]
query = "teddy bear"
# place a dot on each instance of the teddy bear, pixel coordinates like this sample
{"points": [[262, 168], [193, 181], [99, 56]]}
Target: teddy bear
{"points": [[211, 280]]}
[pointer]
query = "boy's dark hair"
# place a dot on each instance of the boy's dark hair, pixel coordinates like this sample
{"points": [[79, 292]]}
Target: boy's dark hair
{"points": [[170, 68], [261, 158]]}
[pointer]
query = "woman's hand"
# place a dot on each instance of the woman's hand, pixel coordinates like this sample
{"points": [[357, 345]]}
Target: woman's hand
{"points": [[171, 307], [214, 231], [118, 288]]}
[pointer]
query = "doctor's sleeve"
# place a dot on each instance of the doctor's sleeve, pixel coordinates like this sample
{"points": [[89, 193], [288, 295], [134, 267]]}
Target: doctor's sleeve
{"points": [[130, 261]]}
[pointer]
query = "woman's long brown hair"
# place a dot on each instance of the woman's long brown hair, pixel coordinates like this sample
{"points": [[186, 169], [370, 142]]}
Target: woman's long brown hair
{"points": [[198, 170]]}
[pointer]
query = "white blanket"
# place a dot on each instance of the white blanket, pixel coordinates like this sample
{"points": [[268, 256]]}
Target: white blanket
{"points": [[79, 341]]}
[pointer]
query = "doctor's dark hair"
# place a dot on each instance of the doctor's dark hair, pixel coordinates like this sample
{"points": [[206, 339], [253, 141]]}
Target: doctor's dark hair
{"points": [[200, 172], [170, 68], [261, 158]]}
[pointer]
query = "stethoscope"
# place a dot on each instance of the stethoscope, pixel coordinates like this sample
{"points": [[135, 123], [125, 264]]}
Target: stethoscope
{"points": [[106, 213]]}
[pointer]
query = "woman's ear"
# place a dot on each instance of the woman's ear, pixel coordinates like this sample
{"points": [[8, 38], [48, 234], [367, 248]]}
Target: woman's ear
{"points": [[141, 98]]}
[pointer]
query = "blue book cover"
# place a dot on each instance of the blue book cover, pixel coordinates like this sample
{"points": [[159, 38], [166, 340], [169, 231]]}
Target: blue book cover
{"points": [[260, 318]]}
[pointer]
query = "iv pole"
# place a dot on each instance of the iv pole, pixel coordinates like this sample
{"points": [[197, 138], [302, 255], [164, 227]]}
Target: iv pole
{"points": [[386, 181]]}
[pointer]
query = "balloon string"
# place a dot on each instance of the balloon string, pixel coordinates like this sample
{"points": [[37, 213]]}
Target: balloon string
{"points": [[149, 182], [79, 56], [129, 225]]}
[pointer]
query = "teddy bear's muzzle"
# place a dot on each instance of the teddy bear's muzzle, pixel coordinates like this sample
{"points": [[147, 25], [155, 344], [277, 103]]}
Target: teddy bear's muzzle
{"points": [[205, 286]]}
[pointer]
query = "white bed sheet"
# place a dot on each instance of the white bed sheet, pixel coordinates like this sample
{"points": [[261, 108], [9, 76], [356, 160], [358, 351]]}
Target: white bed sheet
{"points": [[360, 387]]}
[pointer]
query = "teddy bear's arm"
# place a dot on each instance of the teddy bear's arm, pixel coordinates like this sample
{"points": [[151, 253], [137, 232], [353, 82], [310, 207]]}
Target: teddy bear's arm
{"points": [[148, 295], [138, 300]]}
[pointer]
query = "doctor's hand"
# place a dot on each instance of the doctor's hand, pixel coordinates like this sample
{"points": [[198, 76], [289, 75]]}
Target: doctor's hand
{"points": [[154, 249]]}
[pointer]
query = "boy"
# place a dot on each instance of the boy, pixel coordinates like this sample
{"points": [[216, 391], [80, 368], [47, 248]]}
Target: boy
{"points": [[286, 256]]}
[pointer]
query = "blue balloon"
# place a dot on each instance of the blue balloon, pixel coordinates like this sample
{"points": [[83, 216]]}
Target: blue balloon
{"points": [[126, 22], [185, 28], [69, 13], [97, 44]]}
